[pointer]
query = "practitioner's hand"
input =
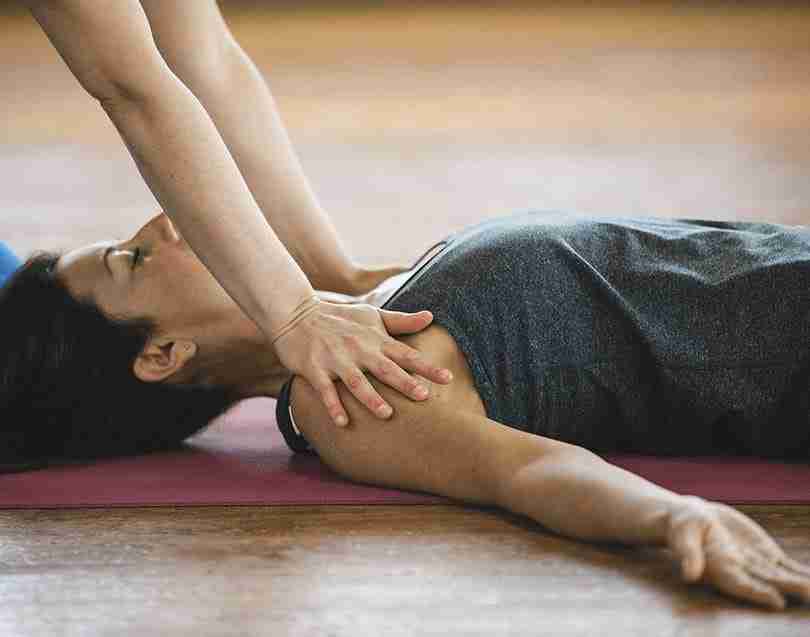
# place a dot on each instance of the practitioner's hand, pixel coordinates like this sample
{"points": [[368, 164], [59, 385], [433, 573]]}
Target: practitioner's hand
{"points": [[340, 341], [722, 546]]}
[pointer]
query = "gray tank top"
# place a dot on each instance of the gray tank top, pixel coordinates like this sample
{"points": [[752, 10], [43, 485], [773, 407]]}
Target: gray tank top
{"points": [[640, 334]]}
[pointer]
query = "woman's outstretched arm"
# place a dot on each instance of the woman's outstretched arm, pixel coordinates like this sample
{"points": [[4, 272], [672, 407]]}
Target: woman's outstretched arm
{"points": [[435, 447]]}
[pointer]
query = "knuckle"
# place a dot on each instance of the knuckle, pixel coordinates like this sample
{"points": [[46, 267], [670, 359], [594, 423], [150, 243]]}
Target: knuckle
{"points": [[354, 380], [387, 367], [324, 388], [351, 341]]}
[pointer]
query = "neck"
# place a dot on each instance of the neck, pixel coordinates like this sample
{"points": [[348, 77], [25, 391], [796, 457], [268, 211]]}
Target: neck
{"points": [[244, 363], [263, 374], [235, 353], [257, 372], [268, 386]]}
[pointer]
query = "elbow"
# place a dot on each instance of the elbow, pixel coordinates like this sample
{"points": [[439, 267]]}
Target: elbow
{"points": [[521, 484], [130, 84]]}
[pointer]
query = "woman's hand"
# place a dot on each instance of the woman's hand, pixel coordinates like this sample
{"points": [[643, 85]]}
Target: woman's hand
{"points": [[342, 340], [722, 546]]}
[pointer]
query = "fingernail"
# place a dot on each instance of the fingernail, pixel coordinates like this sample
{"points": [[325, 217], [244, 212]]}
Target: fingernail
{"points": [[341, 420], [421, 392], [385, 410], [446, 375]]}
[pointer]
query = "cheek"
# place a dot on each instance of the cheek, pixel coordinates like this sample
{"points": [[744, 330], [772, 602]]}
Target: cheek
{"points": [[193, 286], [182, 290]]}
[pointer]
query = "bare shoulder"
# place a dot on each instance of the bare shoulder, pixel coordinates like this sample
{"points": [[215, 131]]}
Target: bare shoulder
{"points": [[444, 444], [441, 348], [458, 396]]}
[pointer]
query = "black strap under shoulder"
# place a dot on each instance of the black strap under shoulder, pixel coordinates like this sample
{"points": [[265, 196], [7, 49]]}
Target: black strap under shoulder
{"points": [[295, 441]]}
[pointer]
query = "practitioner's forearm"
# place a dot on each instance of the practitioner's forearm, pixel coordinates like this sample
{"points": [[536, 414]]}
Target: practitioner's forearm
{"points": [[185, 163], [576, 493], [244, 111]]}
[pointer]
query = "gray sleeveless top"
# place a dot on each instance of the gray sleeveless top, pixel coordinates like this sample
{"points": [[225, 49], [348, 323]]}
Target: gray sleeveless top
{"points": [[638, 334]]}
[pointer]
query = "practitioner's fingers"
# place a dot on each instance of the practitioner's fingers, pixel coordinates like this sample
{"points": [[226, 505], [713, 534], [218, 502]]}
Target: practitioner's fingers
{"points": [[413, 360], [330, 398], [394, 376], [357, 383]]}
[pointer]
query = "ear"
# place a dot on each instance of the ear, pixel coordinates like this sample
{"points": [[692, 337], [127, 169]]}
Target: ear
{"points": [[161, 358]]}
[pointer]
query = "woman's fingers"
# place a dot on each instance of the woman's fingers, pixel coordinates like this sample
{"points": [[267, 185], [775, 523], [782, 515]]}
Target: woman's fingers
{"points": [[778, 576], [793, 565], [736, 555], [734, 581], [412, 360]]}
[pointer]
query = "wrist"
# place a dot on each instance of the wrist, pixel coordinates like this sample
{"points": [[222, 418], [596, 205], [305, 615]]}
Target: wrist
{"points": [[304, 309], [656, 523], [662, 521]]}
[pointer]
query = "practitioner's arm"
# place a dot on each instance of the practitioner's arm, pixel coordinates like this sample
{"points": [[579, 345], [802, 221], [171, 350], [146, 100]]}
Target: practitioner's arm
{"points": [[198, 46], [178, 151], [109, 48], [435, 447]]}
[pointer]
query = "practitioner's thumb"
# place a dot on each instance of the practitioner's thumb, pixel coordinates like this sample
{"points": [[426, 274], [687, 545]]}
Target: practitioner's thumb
{"points": [[405, 322]]}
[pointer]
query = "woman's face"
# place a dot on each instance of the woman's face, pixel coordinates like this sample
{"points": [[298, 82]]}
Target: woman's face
{"points": [[170, 285]]}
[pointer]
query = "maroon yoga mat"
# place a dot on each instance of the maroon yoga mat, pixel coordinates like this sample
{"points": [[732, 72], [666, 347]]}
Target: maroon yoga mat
{"points": [[242, 459]]}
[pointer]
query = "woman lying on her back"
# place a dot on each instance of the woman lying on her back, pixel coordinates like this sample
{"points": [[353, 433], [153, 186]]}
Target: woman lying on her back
{"points": [[566, 336]]}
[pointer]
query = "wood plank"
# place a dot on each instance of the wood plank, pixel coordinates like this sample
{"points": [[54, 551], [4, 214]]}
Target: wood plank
{"points": [[355, 570]]}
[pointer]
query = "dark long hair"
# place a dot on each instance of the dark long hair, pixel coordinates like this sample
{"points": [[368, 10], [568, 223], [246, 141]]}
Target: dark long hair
{"points": [[67, 389]]}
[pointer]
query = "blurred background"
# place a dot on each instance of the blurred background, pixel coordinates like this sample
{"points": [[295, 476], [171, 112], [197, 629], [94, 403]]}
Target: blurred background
{"points": [[415, 119]]}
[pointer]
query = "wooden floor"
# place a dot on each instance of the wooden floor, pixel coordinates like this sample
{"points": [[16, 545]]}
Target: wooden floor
{"points": [[412, 124], [345, 570]]}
